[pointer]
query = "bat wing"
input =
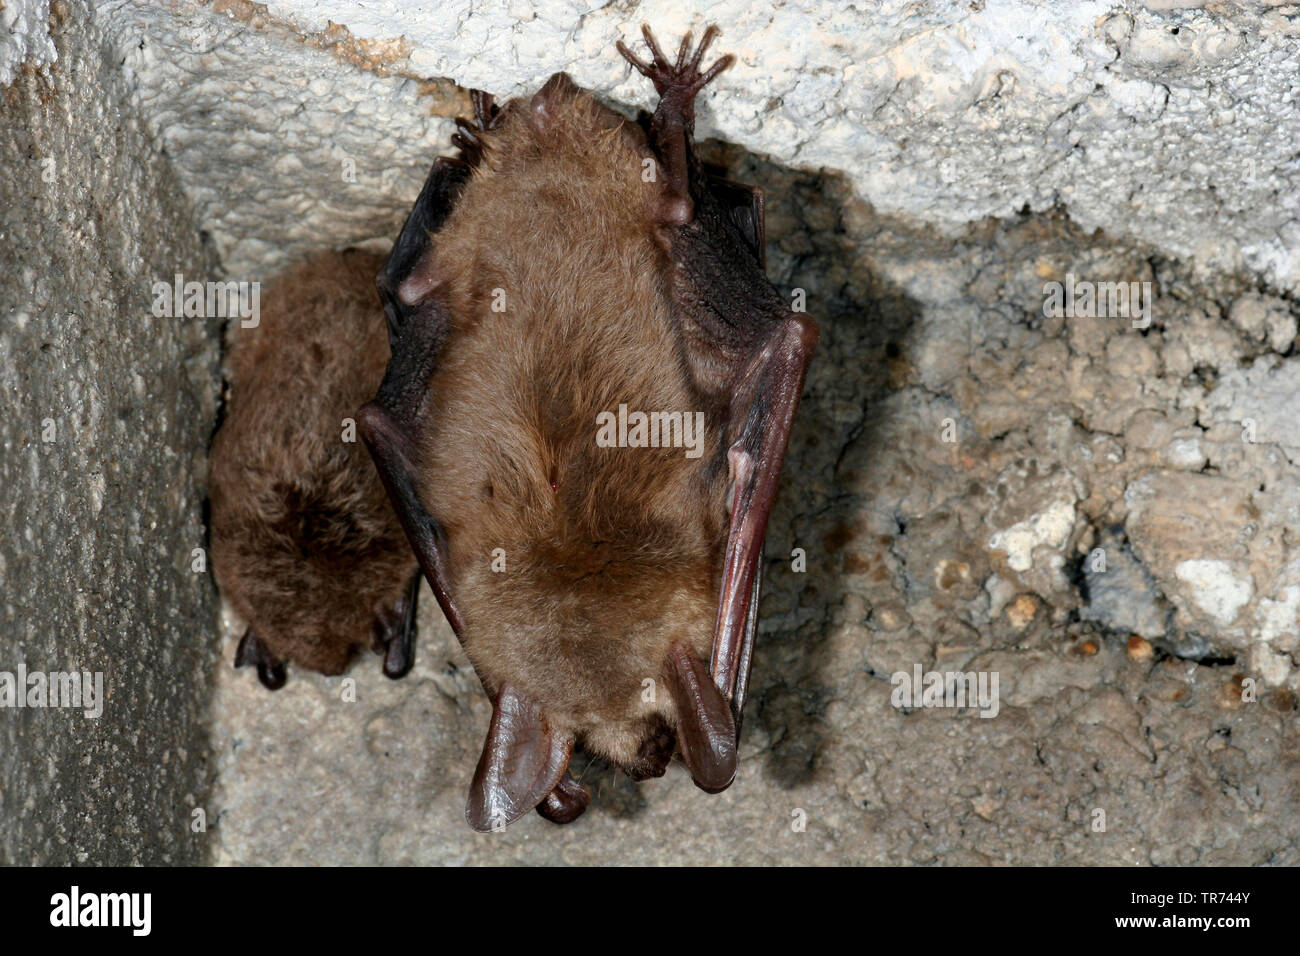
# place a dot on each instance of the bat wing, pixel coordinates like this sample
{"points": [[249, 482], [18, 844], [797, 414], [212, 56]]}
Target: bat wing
{"points": [[417, 330], [722, 295], [768, 387], [745, 204]]}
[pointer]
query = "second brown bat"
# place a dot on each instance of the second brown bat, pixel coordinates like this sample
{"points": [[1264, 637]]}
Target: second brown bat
{"points": [[582, 427]]}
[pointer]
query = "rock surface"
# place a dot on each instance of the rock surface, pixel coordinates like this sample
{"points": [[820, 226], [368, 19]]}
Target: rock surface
{"points": [[967, 497], [1166, 123], [105, 414], [1095, 504]]}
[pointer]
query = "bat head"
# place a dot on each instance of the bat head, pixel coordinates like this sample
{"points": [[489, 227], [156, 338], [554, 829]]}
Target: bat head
{"points": [[526, 755], [311, 575], [596, 626]]}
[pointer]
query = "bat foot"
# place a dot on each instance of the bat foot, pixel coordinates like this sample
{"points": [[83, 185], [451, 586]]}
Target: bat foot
{"points": [[673, 123], [677, 83], [392, 642], [270, 669], [467, 138], [395, 630], [566, 802], [654, 754]]}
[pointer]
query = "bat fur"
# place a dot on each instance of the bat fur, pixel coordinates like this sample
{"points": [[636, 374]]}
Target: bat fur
{"points": [[570, 263], [305, 545], [611, 554]]}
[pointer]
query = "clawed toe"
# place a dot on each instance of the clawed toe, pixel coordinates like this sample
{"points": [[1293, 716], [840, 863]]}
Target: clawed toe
{"points": [[270, 669], [487, 116], [682, 78]]}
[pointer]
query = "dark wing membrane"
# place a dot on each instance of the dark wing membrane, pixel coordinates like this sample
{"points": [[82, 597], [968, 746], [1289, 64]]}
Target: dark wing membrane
{"points": [[723, 295], [417, 327]]}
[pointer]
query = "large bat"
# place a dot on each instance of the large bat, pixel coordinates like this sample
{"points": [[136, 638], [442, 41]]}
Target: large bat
{"points": [[582, 426]]}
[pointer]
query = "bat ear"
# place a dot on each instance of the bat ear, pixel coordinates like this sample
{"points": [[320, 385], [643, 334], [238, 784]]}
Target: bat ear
{"points": [[706, 731], [559, 89], [522, 763]]}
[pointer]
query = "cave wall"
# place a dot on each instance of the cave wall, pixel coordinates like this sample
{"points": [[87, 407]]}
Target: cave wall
{"points": [[105, 415], [1097, 507]]}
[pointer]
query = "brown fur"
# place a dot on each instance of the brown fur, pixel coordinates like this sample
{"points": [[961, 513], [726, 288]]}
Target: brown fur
{"points": [[624, 556], [305, 545]]}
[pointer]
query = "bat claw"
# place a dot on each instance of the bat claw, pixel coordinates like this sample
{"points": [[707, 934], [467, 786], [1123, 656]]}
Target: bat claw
{"points": [[486, 112], [270, 669], [487, 116], [681, 80], [395, 631], [464, 138]]}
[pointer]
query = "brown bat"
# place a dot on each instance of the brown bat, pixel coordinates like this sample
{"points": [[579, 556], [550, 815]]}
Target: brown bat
{"points": [[570, 278], [305, 545]]}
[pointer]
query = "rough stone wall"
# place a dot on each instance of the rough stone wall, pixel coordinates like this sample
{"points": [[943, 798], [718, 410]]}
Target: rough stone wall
{"points": [[1166, 121], [26, 37], [1099, 510], [105, 414], [1063, 421], [281, 145]]}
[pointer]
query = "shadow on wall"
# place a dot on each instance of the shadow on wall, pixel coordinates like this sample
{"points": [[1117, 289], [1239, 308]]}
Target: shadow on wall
{"points": [[872, 322], [860, 315]]}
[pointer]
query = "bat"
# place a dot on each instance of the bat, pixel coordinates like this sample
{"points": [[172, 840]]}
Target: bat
{"points": [[582, 427], [305, 545]]}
